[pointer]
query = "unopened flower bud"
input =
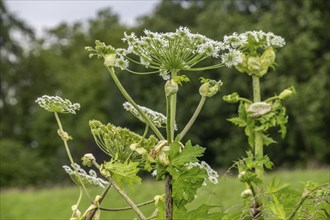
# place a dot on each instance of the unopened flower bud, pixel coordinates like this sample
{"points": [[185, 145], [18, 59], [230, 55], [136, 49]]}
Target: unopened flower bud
{"points": [[87, 159], [268, 57], [258, 109], [253, 65], [232, 98], [171, 87], [133, 146], [141, 151], [104, 172], [158, 198], [110, 60], [210, 88], [64, 135], [241, 175], [163, 158], [246, 193], [287, 93]]}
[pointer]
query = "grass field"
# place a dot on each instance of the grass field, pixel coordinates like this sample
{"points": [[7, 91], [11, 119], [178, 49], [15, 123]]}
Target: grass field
{"points": [[56, 202]]}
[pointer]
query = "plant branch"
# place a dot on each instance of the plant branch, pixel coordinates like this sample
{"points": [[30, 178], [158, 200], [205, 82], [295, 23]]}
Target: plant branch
{"points": [[303, 198], [128, 207], [71, 158], [104, 193], [127, 199], [130, 100], [170, 116], [258, 142], [193, 117]]}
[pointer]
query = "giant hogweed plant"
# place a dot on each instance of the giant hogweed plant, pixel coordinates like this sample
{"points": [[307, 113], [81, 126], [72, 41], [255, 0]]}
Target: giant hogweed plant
{"points": [[257, 117], [162, 153]]}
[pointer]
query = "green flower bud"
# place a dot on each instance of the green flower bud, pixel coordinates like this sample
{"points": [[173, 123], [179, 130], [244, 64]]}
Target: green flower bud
{"points": [[110, 60], [246, 194], [253, 65], [241, 175], [287, 93], [210, 88], [133, 147], [104, 172], [171, 87], [88, 159], [259, 108], [163, 158], [64, 135], [232, 98], [268, 57], [141, 151], [158, 198]]}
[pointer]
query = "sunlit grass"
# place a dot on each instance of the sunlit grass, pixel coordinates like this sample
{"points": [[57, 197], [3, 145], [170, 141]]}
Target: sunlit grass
{"points": [[56, 202]]}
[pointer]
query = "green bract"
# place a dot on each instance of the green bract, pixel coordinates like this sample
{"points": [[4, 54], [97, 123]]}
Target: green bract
{"points": [[57, 104], [210, 88], [116, 141]]}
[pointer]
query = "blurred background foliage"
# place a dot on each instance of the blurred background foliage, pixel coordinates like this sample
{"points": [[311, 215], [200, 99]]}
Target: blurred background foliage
{"points": [[57, 64]]}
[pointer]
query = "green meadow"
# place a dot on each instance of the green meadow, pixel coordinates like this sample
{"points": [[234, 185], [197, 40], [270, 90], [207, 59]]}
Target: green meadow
{"points": [[55, 202]]}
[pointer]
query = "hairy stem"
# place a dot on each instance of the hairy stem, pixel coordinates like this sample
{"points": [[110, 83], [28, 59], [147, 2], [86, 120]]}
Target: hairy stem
{"points": [[71, 158], [127, 199], [170, 125], [258, 143], [123, 194], [168, 197], [130, 100], [193, 117]]}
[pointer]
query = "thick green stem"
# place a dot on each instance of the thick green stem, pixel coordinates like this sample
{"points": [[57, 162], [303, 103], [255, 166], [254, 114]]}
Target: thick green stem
{"points": [[258, 143], [130, 100], [193, 118], [170, 125], [70, 156]]}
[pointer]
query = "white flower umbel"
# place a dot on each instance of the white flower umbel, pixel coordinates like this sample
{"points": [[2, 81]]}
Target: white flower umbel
{"points": [[212, 174], [264, 39], [90, 179], [179, 50], [57, 104], [157, 118]]}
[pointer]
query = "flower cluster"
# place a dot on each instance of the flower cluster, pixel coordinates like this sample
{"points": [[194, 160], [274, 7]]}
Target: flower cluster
{"points": [[212, 174], [89, 179], [158, 119], [57, 104], [257, 50], [116, 141], [179, 50], [254, 39]]}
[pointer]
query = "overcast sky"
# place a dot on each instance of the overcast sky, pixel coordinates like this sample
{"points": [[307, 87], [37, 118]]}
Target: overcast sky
{"points": [[42, 14]]}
